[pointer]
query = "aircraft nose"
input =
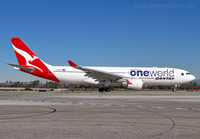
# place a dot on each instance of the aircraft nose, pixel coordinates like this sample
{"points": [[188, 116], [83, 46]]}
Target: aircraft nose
{"points": [[193, 77]]}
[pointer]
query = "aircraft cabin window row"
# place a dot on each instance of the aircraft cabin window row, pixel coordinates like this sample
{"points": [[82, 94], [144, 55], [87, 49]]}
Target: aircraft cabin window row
{"points": [[69, 71], [63, 70]]}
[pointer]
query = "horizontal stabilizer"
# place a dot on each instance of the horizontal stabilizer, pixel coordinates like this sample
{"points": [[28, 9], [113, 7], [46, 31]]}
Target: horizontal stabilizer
{"points": [[27, 69]]}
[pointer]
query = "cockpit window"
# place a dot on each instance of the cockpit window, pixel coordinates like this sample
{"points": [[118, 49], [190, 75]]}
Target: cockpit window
{"points": [[188, 73]]}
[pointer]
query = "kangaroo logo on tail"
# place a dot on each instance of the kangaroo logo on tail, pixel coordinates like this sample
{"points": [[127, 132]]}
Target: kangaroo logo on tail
{"points": [[27, 57], [29, 62]]}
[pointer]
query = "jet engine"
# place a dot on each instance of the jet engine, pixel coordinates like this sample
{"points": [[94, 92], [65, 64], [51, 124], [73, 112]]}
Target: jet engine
{"points": [[133, 84]]}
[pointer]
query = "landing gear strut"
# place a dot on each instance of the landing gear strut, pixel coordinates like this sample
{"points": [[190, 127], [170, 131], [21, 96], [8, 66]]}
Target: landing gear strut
{"points": [[106, 89], [174, 88]]}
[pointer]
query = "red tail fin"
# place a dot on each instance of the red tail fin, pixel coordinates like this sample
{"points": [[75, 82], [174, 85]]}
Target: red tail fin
{"points": [[27, 58]]}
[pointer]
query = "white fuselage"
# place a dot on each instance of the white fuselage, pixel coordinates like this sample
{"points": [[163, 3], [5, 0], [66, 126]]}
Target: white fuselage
{"points": [[149, 76]]}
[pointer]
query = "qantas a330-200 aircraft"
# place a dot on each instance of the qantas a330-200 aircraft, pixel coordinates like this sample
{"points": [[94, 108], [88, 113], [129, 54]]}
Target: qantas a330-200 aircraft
{"points": [[128, 77]]}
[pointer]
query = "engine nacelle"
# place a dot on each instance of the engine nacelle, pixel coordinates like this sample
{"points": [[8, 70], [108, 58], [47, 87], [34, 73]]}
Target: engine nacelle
{"points": [[133, 84]]}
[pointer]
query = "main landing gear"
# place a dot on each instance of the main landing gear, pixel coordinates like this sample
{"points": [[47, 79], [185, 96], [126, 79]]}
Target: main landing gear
{"points": [[106, 89]]}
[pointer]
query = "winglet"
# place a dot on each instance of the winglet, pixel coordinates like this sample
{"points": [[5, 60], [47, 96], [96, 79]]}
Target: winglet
{"points": [[72, 64]]}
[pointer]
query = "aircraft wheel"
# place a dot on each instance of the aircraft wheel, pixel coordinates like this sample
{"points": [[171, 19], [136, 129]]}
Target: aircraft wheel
{"points": [[107, 89], [174, 89], [101, 89]]}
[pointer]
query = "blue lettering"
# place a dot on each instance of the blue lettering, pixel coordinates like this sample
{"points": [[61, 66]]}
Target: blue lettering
{"points": [[159, 73], [139, 73], [146, 73], [153, 73], [171, 73], [133, 74]]}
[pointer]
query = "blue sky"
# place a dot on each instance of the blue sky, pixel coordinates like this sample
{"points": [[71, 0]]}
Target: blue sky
{"points": [[102, 33]]}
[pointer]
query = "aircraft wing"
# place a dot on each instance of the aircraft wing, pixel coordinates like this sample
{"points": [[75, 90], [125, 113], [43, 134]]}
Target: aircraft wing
{"points": [[99, 75]]}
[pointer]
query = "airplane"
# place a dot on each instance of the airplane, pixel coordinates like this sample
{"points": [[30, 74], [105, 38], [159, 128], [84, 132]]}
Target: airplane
{"points": [[104, 77]]}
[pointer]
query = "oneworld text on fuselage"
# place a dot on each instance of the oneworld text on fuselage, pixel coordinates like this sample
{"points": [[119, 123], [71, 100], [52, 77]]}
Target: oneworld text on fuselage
{"points": [[153, 73]]}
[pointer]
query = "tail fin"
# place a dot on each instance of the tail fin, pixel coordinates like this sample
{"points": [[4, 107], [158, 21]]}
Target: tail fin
{"points": [[27, 58]]}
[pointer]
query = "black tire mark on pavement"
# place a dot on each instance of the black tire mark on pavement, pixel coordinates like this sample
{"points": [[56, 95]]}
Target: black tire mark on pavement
{"points": [[172, 121], [53, 110]]}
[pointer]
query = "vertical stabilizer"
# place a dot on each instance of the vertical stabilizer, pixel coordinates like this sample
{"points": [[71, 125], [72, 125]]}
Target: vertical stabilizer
{"points": [[27, 58]]}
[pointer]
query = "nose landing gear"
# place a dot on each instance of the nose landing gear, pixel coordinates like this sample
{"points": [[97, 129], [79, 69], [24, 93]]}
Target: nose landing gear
{"points": [[174, 88]]}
